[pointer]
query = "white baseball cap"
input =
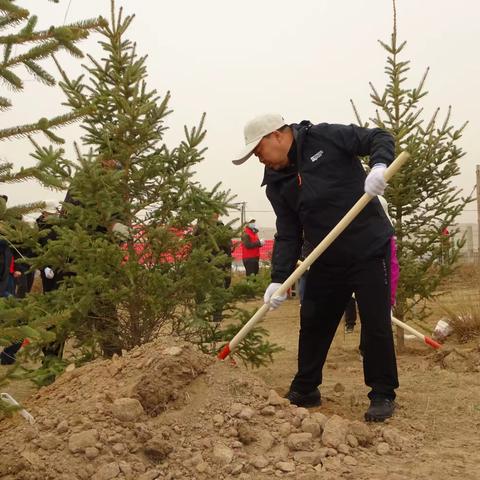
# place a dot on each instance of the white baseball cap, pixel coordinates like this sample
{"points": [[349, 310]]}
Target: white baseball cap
{"points": [[52, 205], [255, 130]]}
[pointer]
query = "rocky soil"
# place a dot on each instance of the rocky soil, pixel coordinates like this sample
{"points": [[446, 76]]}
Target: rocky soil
{"points": [[166, 411]]}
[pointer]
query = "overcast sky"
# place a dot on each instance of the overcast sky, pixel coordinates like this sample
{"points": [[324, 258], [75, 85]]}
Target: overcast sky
{"points": [[305, 60]]}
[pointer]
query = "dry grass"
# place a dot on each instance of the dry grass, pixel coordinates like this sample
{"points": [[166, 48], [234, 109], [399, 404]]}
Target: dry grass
{"points": [[459, 302], [466, 276], [463, 315]]}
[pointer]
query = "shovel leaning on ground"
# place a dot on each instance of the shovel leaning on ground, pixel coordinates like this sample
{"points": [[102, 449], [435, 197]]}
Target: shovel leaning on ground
{"points": [[317, 251], [421, 336]]}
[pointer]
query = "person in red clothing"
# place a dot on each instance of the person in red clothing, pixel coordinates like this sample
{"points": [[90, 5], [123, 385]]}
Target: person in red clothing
{"points": [[445, 246], [251, 248]]}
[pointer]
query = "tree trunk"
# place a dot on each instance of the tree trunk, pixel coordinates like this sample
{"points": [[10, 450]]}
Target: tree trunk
{"points": [[399, 313], [400, 340]]}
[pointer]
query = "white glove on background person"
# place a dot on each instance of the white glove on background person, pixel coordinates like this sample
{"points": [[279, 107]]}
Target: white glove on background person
{"points": [[121, 230], [262, 242], [274, 302], [49, 273], [375, 182]]}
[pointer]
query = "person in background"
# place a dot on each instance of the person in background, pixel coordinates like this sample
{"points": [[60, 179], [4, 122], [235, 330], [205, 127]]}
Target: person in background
{"points": [[7, 262], [350, 315], [50, 279], [9, 274], [251, 248], [224, 244], [104, 320], [24, 282]]}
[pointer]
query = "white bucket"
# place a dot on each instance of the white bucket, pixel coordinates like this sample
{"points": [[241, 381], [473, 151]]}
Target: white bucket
{"points": [[442, 330]]}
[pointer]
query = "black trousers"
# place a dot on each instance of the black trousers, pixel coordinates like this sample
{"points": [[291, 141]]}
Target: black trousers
{"points": [[50, 284], [24, 284], [351, 313], [327, 293], [52, 349], [8, 355], [251, 266], [217, 315]]}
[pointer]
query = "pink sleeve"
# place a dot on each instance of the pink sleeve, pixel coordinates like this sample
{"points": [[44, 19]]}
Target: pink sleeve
{"points": [[394, 271]]}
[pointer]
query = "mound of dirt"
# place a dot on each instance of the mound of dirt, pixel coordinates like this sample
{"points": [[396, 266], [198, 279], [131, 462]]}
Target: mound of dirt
{"points": [[166, 411]]}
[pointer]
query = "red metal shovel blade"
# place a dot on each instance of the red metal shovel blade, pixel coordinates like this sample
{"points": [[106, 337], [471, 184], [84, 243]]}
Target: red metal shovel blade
{"points": [[432, 343], [224, 352]]}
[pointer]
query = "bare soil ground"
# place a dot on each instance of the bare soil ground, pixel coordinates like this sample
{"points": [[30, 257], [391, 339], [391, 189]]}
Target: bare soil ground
{"points": [[165, 411], [438, 399]]}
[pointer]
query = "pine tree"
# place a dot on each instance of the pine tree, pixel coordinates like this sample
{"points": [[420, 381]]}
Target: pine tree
{"points": [[165, 274], [26, 47], [423, 202], [18, 33]]}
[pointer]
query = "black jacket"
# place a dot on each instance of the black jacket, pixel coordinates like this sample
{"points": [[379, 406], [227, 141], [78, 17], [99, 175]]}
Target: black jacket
{"points": [[6, 256], [324, 180]]}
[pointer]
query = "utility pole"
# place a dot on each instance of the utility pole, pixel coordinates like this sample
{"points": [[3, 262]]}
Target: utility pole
{"points": [[478, 212], [242, 206]]}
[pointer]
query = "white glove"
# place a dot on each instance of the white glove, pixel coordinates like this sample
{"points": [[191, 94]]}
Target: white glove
{"points": [[262, 242], [274, 302], [121, 230], [375, 182], [49, 273]]}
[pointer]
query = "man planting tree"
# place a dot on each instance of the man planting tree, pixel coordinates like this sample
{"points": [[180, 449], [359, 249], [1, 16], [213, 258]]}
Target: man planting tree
{"points": [[313, 176]]}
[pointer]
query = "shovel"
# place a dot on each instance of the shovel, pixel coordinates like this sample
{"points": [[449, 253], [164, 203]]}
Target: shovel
{"points": [[317, 251]]}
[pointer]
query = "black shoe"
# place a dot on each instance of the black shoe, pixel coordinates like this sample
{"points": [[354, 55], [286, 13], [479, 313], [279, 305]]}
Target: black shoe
{"points": [[6, 359], [307, 400], [379, 410]]}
